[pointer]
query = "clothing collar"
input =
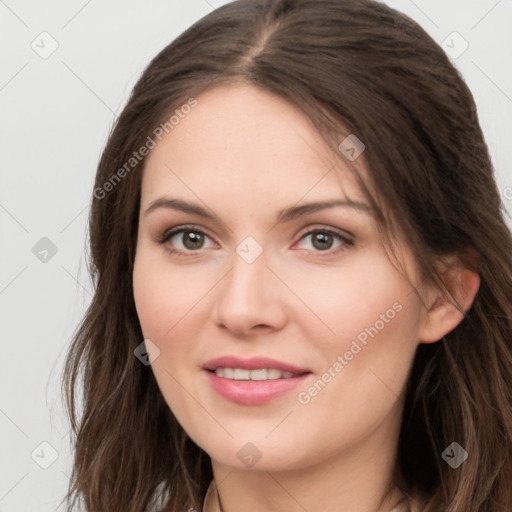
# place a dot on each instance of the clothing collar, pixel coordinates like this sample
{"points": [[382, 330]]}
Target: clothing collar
{"points": [[211, 503]]}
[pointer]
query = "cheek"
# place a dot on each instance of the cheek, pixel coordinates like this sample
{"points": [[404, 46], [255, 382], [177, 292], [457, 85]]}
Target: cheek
{"points": [[149, 293], [367, 363], [163, 296], [162, 302], [357, 300], [367, 338]]}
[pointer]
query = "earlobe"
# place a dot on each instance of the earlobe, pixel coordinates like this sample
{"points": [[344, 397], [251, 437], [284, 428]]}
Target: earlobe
{"points": [[448, 307]]}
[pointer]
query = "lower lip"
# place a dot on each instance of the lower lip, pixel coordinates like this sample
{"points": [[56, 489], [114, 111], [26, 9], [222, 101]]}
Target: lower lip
{"points": [[253, 392]]}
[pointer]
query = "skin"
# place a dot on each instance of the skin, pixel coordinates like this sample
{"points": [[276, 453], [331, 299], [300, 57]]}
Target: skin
{"points": [[245, 155]]}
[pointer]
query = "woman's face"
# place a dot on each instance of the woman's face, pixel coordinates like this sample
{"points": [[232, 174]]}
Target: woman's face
{"points": [[246, 280]]}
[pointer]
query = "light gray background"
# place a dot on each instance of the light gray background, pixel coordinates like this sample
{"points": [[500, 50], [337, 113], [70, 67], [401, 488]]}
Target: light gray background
{"points": [[56, 114]]}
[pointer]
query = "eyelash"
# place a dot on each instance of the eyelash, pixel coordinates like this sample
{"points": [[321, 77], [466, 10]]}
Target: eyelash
{"points": [[167, 235]]}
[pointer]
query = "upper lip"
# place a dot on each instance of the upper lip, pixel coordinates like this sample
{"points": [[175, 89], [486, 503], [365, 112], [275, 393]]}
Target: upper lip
{"points": [[253, 363]]}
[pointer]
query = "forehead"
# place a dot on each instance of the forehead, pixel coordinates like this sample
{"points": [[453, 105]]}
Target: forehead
{"points": [[241, 140]]}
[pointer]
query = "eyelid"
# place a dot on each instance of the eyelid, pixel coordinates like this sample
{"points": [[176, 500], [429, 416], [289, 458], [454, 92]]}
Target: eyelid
{"points": [[345, 236], [348, 240], [176, 229], [324, 227]]}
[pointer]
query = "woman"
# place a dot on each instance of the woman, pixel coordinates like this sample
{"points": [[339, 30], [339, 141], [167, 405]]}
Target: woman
{"points": [[303, 277]]}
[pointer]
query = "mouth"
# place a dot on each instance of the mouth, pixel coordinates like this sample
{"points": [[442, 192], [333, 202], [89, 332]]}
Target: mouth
{"points": [[253, 381], [231, 366], [257, 374]]}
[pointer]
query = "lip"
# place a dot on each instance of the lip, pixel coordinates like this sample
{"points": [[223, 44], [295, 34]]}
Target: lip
{"points": [[253, 363], [252, 392]]}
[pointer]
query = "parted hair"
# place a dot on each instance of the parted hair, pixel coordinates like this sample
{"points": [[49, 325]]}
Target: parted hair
{"points": [[352, 66]]}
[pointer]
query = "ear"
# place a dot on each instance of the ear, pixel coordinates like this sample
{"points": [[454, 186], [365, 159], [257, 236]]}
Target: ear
{"points": [[447, 307]]}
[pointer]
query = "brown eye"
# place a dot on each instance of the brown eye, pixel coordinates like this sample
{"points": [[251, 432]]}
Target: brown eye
{"points": [[322, 240], [192, 239], [184, 240]]}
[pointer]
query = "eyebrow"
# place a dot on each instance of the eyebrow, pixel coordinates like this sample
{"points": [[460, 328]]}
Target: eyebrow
{"points": [[285, 215]]}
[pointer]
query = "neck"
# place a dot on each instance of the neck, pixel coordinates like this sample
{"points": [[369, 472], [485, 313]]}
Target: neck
{"points": [[359, 478]]}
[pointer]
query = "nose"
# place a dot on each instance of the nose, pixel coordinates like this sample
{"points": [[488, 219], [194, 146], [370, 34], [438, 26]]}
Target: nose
{"points": [[249, 299]]}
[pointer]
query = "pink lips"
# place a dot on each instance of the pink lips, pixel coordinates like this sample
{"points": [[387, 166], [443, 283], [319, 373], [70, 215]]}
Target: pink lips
{"points": [[252, 392], [254, 363]]}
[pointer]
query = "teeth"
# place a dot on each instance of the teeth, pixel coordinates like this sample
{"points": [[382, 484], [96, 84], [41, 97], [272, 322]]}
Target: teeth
{"points": [[272, 373], [241, 374], [257, 374], [260, 374]]}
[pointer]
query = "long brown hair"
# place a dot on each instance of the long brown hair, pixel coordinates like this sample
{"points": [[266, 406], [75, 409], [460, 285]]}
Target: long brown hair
{"points": [[352, 66]]}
